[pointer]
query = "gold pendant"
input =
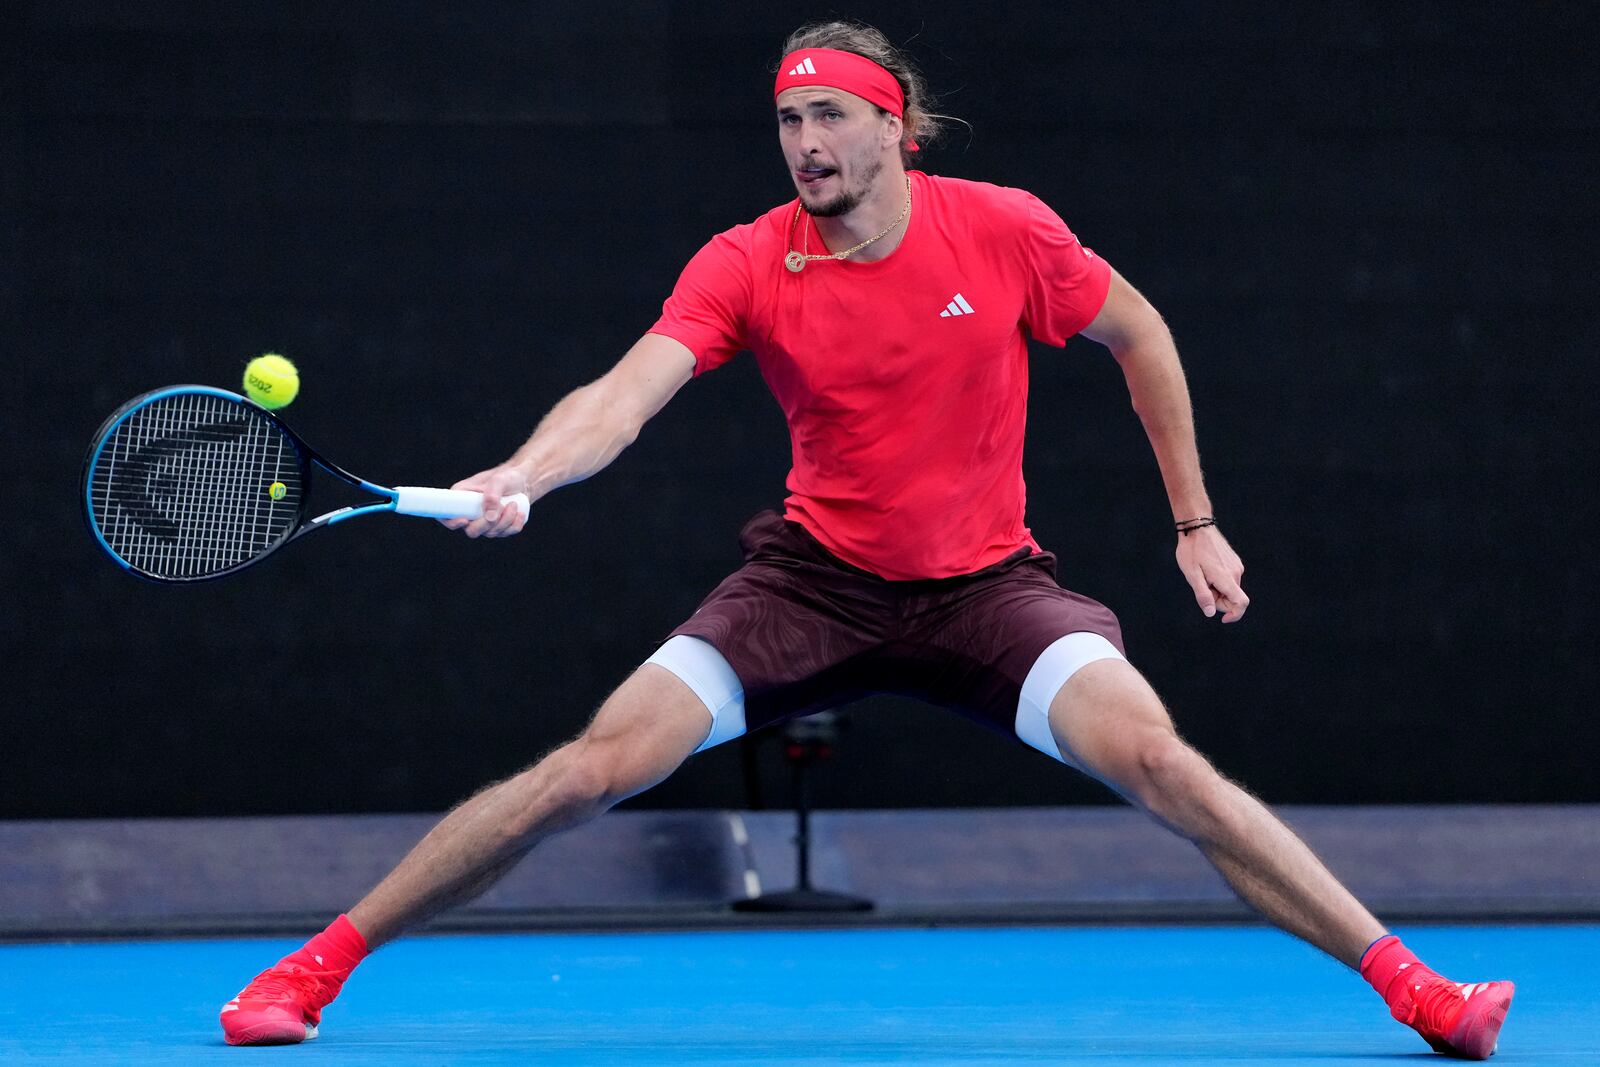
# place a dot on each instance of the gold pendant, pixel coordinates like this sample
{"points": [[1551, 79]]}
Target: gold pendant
{"points": [[795, 262]]}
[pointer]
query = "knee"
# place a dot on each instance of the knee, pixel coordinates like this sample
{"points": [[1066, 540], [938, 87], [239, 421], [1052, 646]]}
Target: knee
{"points": [[567, 788], [1163, 760], [587, 776], [1170, 777]]}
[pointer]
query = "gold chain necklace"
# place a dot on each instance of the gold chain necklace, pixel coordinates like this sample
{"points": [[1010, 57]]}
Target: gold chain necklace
{"points": [[796, 261]]}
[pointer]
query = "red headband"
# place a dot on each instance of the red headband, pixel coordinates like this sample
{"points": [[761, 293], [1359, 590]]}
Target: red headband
{"points": [[842, 70]]}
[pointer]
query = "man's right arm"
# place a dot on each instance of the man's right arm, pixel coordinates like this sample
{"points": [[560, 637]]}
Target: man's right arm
{"points": [[583, 433]]}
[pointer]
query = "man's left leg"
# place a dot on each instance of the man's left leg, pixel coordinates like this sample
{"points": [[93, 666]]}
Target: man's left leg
{"points": [[1108, 722]]}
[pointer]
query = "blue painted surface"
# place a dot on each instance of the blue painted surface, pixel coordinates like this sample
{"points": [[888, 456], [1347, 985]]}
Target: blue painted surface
{"points": [[990, 996]]}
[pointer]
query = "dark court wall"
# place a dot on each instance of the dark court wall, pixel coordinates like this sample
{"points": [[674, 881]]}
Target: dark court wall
{"points": [[1369, 226]]}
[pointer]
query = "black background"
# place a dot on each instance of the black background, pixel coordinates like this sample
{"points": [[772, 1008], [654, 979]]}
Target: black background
{"points": [[1368, 224]]}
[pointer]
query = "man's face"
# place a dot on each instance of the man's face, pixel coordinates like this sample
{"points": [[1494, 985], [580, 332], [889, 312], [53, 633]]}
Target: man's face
{"points": [[835, 144]]}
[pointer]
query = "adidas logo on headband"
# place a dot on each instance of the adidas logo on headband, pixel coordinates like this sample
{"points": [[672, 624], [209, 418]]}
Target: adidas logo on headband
{"points": [[804, 67]]}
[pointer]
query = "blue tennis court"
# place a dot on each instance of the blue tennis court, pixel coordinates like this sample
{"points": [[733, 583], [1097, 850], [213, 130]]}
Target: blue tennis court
{"points": [[925, 996]]}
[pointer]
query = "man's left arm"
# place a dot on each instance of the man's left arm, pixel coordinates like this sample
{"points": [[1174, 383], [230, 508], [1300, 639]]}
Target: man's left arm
{"points": [[1138, 337]]}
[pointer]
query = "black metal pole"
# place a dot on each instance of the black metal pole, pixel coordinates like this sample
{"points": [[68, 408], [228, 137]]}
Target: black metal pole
{"points": [[805, 742]]}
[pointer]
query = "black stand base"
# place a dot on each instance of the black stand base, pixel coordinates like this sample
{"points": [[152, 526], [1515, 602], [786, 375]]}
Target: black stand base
{"points": [[804, 742], [803, 900]]}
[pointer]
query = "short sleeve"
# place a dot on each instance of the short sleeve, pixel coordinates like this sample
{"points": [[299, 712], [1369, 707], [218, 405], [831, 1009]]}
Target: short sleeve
{"points": [[710, 305], [1067, 283]]}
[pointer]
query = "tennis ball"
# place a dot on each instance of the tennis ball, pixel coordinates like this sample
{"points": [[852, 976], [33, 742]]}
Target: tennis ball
{"points": [[271, 381]]}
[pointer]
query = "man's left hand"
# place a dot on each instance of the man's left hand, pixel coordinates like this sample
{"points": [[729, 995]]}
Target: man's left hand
{"points": [[1213, 570]]}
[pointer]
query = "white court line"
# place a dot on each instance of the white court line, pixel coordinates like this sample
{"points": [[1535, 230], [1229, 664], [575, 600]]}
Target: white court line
{"points": [[741, 838]]}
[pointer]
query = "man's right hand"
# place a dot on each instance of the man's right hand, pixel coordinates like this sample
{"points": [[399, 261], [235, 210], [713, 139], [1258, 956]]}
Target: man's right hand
{"points": [[497, 520]]}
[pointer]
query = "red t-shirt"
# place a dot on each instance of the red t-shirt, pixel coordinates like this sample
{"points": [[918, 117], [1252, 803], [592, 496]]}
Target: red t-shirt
{"points": [[904, 380]]}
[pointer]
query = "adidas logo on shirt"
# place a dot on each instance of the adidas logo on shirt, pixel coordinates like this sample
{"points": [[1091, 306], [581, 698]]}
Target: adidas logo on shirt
{"points": [[958, 306], [803, 67]]}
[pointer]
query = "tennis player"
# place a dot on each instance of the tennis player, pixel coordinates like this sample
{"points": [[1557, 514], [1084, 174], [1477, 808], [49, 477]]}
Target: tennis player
{"points": [[889, 311]]}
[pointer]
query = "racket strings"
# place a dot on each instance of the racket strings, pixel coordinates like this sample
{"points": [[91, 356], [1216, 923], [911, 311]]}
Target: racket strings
{"points": [[192, 484]]}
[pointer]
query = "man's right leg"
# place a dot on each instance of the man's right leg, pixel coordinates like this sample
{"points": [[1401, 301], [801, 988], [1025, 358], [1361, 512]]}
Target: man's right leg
{"points": [[647, 728], [640, 735]]}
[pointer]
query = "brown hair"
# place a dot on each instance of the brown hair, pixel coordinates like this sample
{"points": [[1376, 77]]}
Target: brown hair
{"points": [[921, 123]]}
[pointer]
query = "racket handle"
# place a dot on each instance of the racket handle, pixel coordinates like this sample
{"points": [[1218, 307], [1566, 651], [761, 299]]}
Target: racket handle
{"points": [[449, 503]]}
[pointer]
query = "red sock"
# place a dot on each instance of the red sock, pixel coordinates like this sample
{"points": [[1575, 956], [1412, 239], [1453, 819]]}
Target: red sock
{"points": [[1385, 961], [338, 948]]}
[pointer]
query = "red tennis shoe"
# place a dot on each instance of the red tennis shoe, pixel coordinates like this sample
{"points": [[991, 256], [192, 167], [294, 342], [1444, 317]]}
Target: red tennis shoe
{"points": [[282, 1005], [1457, 1019]]}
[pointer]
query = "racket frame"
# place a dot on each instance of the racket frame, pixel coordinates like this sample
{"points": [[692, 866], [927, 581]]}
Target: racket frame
{"points": [[306, 455]]}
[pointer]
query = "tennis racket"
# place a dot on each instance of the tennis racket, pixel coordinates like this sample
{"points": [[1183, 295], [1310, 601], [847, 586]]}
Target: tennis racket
{"points": [[188, 483]]}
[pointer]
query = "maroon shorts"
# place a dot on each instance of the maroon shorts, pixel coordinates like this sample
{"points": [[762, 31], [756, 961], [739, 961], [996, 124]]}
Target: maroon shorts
{"points": [[805, 631]]}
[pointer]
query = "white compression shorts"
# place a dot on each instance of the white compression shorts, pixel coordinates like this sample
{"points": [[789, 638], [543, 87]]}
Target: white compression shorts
{"points": [[703, 669]]}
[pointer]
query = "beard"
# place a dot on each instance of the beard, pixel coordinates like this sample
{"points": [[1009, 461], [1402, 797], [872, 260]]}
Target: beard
{"points": [[850, 199]]}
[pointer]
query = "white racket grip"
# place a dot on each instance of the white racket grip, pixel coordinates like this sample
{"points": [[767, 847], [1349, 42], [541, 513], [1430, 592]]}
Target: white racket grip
{"points": [[449, 503]]}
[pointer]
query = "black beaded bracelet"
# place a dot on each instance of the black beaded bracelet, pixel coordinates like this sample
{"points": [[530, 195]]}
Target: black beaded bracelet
{"points": [[1199, 523]]}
